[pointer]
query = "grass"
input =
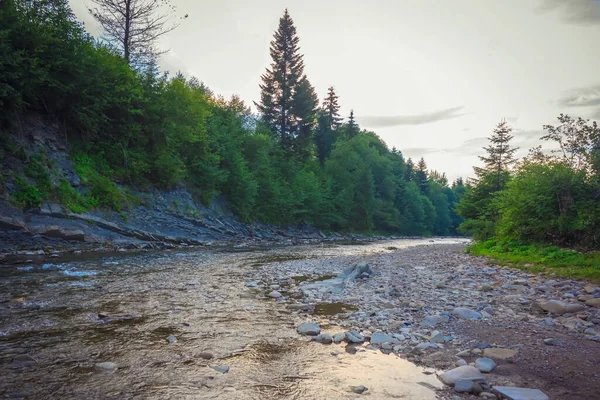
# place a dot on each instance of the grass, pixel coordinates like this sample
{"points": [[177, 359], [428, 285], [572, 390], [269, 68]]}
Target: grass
{"points": [[539, 258]]}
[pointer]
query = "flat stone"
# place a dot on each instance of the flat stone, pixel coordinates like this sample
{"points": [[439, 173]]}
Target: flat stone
{"points": [[24, 360], [465, 372], [515, 393], [433, 320], [275, 294], [589, 289], [466, 313], [499, 353], [221, 368], [106, 366], [380, 338], [554, 306], [205, 355], [593, 302], [309, 328], [485, 364]]}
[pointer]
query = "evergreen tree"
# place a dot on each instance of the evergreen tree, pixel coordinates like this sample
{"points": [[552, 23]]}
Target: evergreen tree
{"points": [[280, 82], [305, 110], [351, 128], [421, 175], [331, 108], [324, 137], [410, 170], [500, 155]]}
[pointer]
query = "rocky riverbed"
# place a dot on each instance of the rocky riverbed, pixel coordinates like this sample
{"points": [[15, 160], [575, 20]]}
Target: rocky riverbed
{"points": [[389, 319]]}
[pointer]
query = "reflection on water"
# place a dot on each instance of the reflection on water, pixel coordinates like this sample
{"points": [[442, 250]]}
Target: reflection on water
{"points": [[333, 308], [74, 313]]}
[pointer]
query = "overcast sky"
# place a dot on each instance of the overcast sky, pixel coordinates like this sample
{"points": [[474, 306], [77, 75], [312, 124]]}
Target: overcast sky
{"points": [[430, 77]]}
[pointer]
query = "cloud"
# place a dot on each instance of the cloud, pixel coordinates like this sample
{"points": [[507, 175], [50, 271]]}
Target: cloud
{"points": [[582, 12], [581, 97], [521, 135], [419, 151], [418, 119]]}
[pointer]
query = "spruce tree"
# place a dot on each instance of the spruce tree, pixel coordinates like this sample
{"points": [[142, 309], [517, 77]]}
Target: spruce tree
{"points": [[421, 175], [500, 155], [304, 110], [352, 128], [331, 108], [280, 82], [410, 170]]}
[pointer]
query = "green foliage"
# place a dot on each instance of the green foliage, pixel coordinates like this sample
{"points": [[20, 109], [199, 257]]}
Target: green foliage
{"points": [[72, 199], [540, 258], [27, 195]]}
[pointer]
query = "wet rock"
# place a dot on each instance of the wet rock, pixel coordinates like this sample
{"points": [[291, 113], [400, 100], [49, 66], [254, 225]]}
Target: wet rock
{"points": [[466, 372], [275, 294], [171, 339], [379, 338], [516, 393], [354, 337], [359, 389], [221, 368], [324, 338], [309, 329], [24, 360], [106, 366], [485, 364], [466, 313], [500, 353], [205, 355]]}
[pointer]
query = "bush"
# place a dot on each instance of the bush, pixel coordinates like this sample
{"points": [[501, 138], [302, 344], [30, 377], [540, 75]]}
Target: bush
{"points": [[27, 195]]}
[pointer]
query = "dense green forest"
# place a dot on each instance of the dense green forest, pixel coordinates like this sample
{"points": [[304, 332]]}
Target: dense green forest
{"points": [[527, 212], [129, 125]]}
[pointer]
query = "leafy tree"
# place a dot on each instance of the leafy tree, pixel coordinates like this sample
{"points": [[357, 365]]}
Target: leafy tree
{"points": [[578, 140]]}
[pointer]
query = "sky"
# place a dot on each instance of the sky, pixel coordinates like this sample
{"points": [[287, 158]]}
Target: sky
{"points": [[432, 78]]}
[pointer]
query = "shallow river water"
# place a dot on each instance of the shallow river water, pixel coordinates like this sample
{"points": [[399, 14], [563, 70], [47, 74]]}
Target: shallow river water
{"points": [[70, 314]]}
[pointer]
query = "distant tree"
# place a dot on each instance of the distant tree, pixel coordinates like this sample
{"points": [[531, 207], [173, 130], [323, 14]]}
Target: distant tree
{"points": [[410, 170], [324, 137], [352, 128], [421, 175], [500, 154], [280, 82], [305, 103], [135, 26], [331, 108]]}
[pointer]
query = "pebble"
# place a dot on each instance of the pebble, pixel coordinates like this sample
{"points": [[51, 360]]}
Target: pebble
{"points": [[485, 364], [461, 363], [550, 341], [221, 368], [359, 389], [354, 337], [172, 339], [205, 355], [106, 366], [465, 313], [380, 338], [339, 337], [275, 294], [324, 338]]}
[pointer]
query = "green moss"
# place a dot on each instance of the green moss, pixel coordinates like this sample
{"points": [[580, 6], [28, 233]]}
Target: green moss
{"points": [[540, 258]]}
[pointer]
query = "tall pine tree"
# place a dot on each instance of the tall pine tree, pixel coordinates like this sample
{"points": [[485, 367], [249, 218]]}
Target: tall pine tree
{"points": [[331, 108], [280, 82], [305, 110], [351, 128], [421, 175]]}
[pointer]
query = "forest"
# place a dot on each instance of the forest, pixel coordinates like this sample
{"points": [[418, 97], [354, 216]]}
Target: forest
{"points": [[129, 124], [296, 160]]}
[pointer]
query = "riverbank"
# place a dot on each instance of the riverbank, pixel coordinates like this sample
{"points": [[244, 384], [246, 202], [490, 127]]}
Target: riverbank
{"points": [[172, 321]]}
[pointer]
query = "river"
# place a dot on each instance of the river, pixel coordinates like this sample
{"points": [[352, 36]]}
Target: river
{"points": [[70, 314]]}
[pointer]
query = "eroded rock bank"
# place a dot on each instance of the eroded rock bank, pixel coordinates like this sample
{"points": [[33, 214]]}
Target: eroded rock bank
{"points": [[491, 331]]}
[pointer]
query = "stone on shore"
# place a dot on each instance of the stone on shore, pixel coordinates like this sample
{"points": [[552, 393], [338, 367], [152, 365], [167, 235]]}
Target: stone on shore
{"points": [[309, 329], [516, 393], [106, 366], [379, 338], [466, 372], [354, 337], [500, 353], [466, 313], [485, 364]]}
